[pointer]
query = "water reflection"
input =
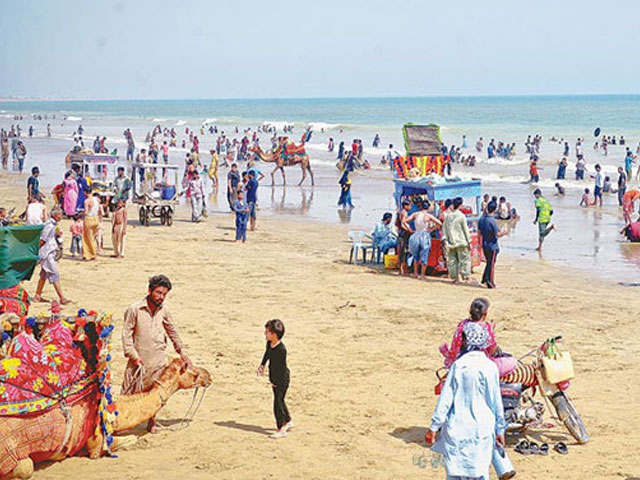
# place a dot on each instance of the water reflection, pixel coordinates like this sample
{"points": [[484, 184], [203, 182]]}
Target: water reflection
{"points": [[630, 252], [345, 215], [279, 201]]}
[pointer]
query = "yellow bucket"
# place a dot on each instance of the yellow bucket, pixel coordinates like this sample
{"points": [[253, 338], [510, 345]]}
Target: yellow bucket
{"points": [[391, 261]]}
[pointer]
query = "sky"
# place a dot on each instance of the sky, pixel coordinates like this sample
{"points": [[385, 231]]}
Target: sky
{"points": [[325, 48]]}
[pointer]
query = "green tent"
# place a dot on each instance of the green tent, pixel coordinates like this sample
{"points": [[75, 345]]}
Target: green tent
{"points": [[19, 248]]}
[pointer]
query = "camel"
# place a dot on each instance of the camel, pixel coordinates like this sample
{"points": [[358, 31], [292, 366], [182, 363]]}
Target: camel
{"points": [[36, 438], [295, 159]]}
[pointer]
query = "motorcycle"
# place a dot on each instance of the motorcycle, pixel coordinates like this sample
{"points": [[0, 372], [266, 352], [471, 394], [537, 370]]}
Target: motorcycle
{"points": [[536, 375]]}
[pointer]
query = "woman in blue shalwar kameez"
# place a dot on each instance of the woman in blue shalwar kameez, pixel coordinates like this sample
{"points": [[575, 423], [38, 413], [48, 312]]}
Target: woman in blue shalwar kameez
{"points": [[469, 412]]}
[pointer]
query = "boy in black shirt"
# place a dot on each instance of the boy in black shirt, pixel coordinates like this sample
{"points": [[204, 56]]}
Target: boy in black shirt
{"points": [[276, 354]]}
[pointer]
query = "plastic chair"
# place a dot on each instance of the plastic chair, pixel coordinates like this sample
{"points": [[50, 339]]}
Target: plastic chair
{"points": [[357, 245]]}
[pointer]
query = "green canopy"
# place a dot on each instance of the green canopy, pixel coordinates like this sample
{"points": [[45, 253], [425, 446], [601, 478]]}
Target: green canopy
{"points": [[19, 248]]}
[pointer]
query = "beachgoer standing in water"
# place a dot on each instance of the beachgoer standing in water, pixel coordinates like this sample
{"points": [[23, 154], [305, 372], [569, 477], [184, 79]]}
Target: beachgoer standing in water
{"points": [[597, 191], [622, 184], [279, 375], [544, 210]]}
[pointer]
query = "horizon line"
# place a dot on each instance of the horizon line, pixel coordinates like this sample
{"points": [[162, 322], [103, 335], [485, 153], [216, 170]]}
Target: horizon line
{"points": [[380, 97]]}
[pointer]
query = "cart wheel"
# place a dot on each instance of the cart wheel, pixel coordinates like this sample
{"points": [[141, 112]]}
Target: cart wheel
{"points": [[148, 215], [163, 215], [169, 217], [142, 213]]}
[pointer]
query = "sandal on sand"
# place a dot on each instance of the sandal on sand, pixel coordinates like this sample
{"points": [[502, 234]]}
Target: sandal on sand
{"points": [[561, 448], [534, 449], [544, 449], [523, 447]]}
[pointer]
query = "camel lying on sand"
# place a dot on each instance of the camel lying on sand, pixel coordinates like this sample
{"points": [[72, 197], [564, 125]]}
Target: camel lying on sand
{"points": [[38, 437]]}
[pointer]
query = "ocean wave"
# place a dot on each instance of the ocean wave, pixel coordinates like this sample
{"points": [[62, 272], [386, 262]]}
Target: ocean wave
{"points": [[278, 124], [180, 123], [159, 120], [322, 125], [207, 121], [71, 118], [317, 146]]}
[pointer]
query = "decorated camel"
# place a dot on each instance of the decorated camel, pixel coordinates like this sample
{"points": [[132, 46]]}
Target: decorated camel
{"points": [[63, 431], [286, 154]]}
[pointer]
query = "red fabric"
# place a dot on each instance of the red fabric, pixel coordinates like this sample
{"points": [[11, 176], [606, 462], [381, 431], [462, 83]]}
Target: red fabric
{"points": [[40, 369], [14, 300], [451, 353]]}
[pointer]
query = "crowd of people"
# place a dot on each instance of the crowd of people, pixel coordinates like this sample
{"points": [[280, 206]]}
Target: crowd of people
{"points": [[420, 222]]}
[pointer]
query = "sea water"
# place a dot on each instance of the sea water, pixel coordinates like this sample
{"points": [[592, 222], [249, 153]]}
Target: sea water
{"points": [[587, 239]]}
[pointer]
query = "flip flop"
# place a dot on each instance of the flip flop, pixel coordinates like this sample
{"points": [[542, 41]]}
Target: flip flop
{"points": [[544, 449], [561, 448], [533, 448], [523, 447]]}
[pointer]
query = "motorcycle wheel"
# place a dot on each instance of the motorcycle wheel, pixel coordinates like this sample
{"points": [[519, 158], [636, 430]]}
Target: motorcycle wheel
{"points": [[570, 417]]}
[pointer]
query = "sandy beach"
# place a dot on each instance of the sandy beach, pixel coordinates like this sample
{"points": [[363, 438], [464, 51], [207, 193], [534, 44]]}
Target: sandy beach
{"points": [[362, 349]]}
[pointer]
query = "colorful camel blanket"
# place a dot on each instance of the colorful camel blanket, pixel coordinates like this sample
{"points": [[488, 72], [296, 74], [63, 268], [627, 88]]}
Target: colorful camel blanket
{"points": [[14, 300], [35, 375], [59, 359]]}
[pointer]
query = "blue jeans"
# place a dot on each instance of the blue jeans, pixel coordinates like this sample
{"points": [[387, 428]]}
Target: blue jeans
{"points": [[241, 226], [20, 164]]}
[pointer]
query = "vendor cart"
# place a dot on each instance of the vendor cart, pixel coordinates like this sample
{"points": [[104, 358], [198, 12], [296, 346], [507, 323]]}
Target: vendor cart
{"points": [[155, 198], [471, 191], [418, 176], [100, 171]]}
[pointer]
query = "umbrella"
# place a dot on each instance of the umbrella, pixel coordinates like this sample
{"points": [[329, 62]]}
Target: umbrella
{"points": [[596, 132]]}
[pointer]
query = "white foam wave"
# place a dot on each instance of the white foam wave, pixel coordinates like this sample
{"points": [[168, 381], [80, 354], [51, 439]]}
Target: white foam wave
{"points": [[321, 125], [180, 123], [316, 146], [279, 125], [71, 118], [207, 121], [159, 120]]}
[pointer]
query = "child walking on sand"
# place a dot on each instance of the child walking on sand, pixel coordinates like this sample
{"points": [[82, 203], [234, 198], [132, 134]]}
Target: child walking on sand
{"points": [[76, 236], [276, 354], [119, 229]]}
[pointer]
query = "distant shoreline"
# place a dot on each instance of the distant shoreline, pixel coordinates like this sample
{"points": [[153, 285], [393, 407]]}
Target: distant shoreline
{"points": [[271, 99]]}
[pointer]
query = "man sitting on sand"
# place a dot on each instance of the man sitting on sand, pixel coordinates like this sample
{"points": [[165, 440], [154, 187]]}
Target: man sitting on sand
{"points": [[147, 327]]}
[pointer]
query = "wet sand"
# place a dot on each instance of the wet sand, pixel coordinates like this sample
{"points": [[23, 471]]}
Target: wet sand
{"points": [[362, 351], [587, 240]]}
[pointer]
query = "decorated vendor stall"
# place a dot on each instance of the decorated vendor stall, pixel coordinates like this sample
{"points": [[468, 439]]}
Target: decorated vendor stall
{"points": [[419, 176]]}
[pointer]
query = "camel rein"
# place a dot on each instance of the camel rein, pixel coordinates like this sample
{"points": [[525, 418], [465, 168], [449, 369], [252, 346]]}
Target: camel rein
{"points": [[192, 410]]}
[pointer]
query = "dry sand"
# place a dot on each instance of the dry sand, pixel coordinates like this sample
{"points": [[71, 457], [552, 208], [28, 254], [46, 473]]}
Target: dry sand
{"points": [[362, 376]]}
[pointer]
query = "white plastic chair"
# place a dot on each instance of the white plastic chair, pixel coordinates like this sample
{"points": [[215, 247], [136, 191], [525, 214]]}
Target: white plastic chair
{"points": [[358, 244]]}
